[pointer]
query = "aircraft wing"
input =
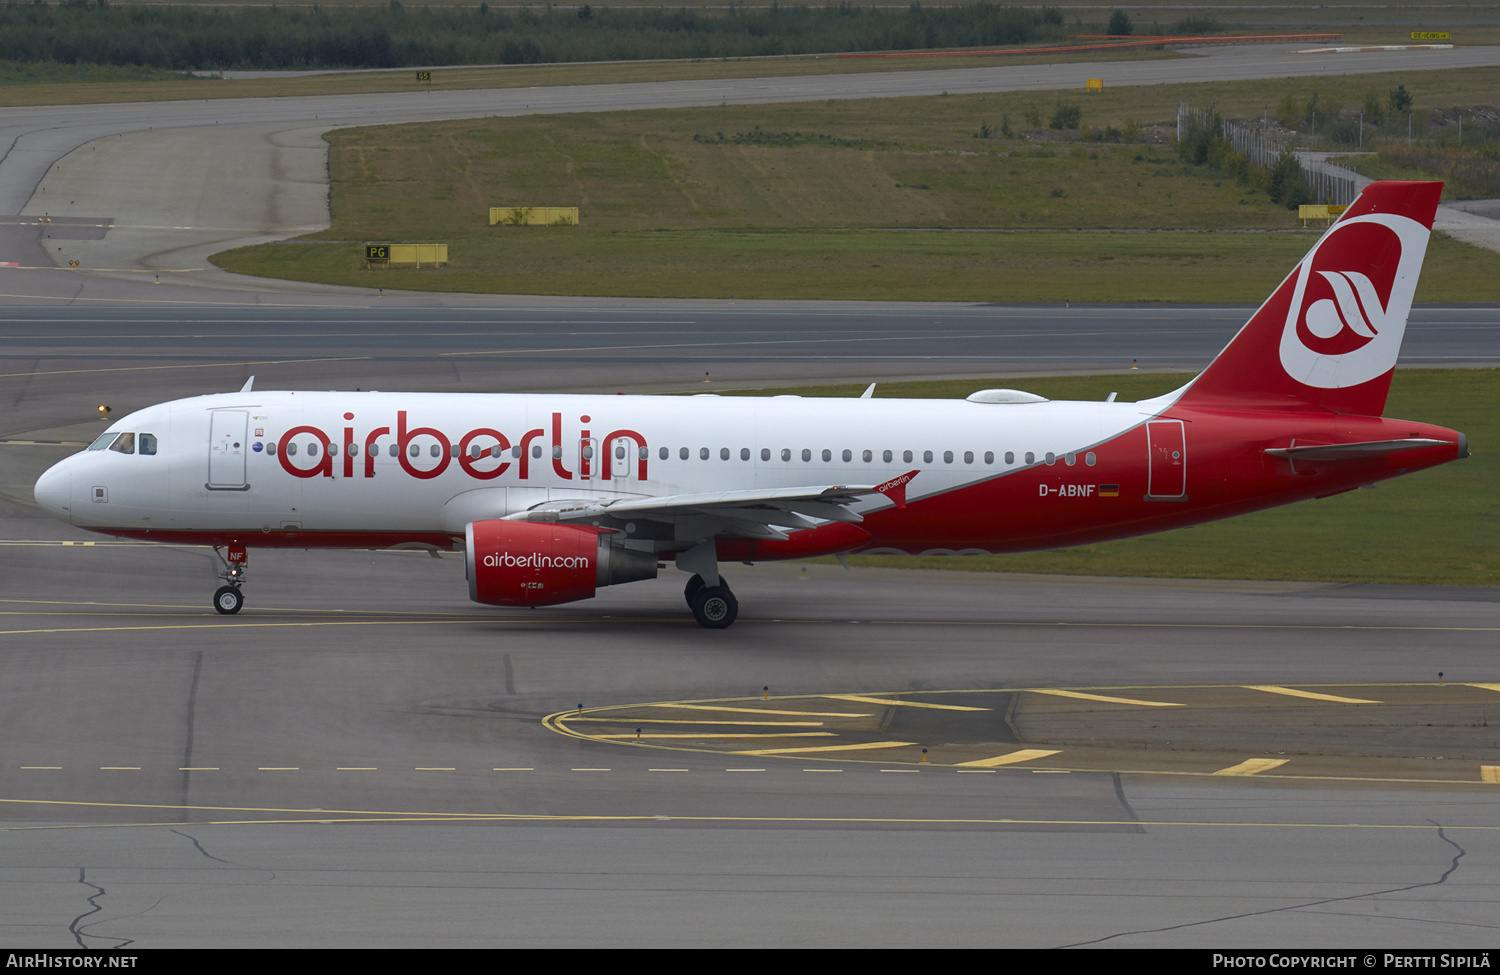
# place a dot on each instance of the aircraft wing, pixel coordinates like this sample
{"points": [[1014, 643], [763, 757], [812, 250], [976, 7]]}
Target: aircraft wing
{"points": [[756, 513]]}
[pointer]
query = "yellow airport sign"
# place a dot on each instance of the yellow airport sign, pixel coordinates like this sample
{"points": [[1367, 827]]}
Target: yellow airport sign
{"points": [[418, 254], [1429, 35], [534, 216]]}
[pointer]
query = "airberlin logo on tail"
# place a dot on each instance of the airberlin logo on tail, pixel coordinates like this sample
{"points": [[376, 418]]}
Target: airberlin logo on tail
{"points": [[1352, 295]]}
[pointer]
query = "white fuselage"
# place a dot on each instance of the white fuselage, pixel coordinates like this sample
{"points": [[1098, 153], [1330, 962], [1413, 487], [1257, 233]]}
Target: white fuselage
{"points": [[424, 462]]}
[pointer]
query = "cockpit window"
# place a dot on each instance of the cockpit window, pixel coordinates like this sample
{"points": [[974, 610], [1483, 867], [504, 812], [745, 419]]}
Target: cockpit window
{"points": [[148, 444], [125, 443], [103, 440]]}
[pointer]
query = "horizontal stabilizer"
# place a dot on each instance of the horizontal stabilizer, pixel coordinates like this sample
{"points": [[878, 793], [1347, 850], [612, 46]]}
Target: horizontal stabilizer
{"points": [[1352, 451]]}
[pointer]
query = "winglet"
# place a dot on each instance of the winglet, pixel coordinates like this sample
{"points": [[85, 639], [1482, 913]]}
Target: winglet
{"points": [[895, 488], [869, 391], [248, 383]]}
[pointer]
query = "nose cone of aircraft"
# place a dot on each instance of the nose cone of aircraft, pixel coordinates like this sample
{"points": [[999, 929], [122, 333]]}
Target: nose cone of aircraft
{"points": [[54, 491]]}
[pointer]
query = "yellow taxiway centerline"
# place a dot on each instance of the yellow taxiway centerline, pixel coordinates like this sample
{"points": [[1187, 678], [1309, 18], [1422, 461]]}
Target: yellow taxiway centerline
{"points": [[1105, 699], [904, 704], [1251, 766], [716, 735], [829, 748], [1310, 695], [769, 724], [800, 714], [1011, 758]]}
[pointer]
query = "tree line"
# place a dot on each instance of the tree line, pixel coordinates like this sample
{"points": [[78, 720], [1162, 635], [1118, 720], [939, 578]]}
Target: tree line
{"points": [[393, 36]]}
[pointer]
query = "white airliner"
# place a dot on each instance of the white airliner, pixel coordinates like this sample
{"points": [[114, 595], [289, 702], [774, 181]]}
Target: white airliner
{"points": [[550, 497]]}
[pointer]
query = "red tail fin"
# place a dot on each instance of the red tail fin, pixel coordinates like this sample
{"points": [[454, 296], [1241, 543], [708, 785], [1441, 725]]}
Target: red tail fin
{"points": [[1329, 336]]}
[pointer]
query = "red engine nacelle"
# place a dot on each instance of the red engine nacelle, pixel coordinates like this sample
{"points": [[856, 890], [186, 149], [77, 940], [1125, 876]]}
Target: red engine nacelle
{"points": [[522, 563]]}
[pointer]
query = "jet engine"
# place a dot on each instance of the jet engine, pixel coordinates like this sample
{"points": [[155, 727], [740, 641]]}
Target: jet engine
{"points": [[523, 563]]}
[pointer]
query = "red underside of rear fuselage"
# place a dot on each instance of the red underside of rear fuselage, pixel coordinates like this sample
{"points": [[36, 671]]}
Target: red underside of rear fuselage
{"points": [[1227, 472]]}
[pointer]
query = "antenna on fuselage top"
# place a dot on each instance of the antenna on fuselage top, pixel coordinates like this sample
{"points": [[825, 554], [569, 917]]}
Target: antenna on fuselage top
{"points": [[248, 383]]}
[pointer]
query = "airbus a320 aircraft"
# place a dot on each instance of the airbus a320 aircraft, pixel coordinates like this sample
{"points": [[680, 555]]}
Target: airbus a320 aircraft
{"points": [[551, 497]]}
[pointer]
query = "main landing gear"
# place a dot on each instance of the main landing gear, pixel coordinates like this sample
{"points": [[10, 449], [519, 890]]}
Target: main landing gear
{"points": [[714, 607], [228, 599]]}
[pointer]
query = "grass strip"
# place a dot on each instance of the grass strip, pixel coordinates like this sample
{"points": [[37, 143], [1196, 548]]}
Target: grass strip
{"points": [[837, 199], [1042, 266]]}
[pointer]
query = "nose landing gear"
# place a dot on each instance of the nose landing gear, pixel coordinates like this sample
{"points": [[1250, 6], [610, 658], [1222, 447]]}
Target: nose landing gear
{"points": [[228, 600]]}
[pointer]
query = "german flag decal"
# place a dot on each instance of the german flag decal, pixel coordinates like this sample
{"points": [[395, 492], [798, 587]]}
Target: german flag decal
{"points": [[1109, 490]]}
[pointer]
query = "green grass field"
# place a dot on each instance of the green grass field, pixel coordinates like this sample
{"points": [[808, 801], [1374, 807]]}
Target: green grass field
{"points": [[839, 199], [1435, 526]]}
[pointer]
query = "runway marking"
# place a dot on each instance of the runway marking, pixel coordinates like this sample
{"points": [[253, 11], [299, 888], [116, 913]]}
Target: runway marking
{"points": [[185, 365], [321, 817], [198, 768], [1107, 700], [1011, 758], [1489, 773], [769, 724], [808, 714], [236, 625], [42, 768], [1081, 759], [119, 768], [590, 770], [904, 704], [666, 770], [430, 768], [279, 768], [1310, 695], [532, 619], [724, 736], [829, 748], [357, 768], [744, 770], [1252, 766], [1487, 687], [42, 443]]}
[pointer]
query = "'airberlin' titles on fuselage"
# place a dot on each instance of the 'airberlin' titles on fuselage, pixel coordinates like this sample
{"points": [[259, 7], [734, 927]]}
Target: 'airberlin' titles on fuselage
{"points": [[493, 445]]}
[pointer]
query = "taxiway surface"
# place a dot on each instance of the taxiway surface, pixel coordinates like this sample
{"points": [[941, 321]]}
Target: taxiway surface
{"points": [[137, 191], [363, 757]]}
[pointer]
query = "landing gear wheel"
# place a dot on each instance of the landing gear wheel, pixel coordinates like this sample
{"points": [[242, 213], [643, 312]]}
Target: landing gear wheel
{"points": [[228, 600], [714, 607], [696, 584]]}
